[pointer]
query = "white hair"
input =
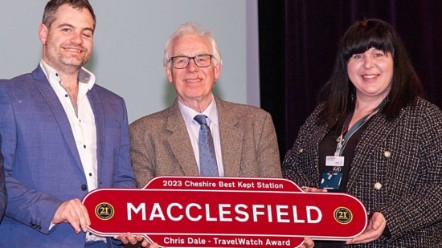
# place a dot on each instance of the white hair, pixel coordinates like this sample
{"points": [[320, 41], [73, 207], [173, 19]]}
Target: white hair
{"points": [[190, 28]]}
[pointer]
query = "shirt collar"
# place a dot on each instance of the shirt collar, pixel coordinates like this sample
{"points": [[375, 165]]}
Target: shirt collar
{"points": [[86, 78], [188, 113]]}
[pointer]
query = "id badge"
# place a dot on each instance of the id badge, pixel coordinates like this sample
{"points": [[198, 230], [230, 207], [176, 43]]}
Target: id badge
{"points": [[335, 161], [331, 180]]}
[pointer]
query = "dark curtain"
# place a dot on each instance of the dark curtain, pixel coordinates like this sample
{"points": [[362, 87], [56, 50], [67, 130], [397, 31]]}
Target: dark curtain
{"points": [[298, 41]]}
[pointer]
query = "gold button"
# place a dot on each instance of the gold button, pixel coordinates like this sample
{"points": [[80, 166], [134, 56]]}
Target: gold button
{"points": [[300, 150], [378, 185], [387, 154]]}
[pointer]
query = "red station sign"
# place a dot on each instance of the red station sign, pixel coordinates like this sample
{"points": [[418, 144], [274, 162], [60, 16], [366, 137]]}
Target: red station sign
{"points": [[225, 212]]}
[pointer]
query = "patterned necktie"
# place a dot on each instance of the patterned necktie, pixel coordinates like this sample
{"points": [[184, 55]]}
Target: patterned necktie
{"points": [[208, 165]]}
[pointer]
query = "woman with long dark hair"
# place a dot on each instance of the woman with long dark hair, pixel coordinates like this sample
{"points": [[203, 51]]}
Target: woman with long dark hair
{"points": [[374, 136]]}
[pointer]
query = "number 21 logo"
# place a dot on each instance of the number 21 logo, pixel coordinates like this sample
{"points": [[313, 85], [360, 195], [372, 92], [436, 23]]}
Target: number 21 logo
{"points": [[104, 211]]}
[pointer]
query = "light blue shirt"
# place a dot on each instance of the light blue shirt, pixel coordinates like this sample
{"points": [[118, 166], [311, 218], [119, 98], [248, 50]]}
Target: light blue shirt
{"points": [[193, 128]]}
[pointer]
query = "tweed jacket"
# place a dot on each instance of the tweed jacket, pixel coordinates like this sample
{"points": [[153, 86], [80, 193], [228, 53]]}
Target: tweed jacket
{"points": [[160, 144], [402, 157]]}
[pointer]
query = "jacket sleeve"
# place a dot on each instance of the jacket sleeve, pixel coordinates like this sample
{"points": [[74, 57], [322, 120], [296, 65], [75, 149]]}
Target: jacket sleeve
{"points": [[268, 152], [421, 207], [301, 162], [141, 150], [3, 198], [30, 207]]}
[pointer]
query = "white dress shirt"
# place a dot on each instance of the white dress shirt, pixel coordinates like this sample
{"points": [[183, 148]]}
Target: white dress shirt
{"points": [[82, 121]]}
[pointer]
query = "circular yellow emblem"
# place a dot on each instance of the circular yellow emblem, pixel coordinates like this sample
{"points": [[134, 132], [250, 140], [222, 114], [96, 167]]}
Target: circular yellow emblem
{"points": [[343, 215], [104, 211]]}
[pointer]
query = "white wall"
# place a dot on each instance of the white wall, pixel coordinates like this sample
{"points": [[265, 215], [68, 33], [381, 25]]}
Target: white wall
{"points": [[129, 42]]}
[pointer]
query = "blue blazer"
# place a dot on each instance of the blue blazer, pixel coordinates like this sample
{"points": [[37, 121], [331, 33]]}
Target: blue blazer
{"points": [[41, 161], [2, 187]]}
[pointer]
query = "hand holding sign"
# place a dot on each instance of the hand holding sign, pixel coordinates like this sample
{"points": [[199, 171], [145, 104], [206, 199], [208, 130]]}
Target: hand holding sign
{"points": [[225, 212]]}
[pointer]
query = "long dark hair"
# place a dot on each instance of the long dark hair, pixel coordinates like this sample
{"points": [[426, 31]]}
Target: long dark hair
{"points": [[338, 93]]}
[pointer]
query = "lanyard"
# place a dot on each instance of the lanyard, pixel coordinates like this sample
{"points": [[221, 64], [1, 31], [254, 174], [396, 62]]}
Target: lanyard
{"points": [[346, 134]]}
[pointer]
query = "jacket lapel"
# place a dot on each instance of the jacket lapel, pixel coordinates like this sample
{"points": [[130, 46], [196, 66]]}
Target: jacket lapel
{"points": [[42, 84], [179, 141], [97, 109], [231, 137]]}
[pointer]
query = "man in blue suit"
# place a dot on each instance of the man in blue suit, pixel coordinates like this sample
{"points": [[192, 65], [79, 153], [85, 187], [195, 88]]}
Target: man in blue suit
{"points": [[63, 135]]}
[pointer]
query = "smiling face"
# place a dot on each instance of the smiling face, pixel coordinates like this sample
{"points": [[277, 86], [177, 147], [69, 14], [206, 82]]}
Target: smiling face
{"points": [[371, 73], [193, 84], [68, 42]]}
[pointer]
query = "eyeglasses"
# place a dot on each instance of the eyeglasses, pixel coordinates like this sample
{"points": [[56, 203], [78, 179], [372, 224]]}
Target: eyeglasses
{"points": [[181, 62]]}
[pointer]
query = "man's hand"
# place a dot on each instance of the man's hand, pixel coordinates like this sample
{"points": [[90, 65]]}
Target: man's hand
{"points": [[374, 230], [74, 213], [133, 239]]}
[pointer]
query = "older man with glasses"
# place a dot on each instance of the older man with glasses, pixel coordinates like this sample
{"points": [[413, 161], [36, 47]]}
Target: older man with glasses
{"points": [[200, 134]]}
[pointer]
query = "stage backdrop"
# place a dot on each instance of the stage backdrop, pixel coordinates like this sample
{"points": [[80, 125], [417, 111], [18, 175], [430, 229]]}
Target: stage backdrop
{"points": [[129, 44]]}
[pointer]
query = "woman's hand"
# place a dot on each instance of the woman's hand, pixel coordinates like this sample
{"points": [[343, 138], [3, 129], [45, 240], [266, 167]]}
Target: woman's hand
{"points": [[313, 190], [374, 230], [308, 243]]}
